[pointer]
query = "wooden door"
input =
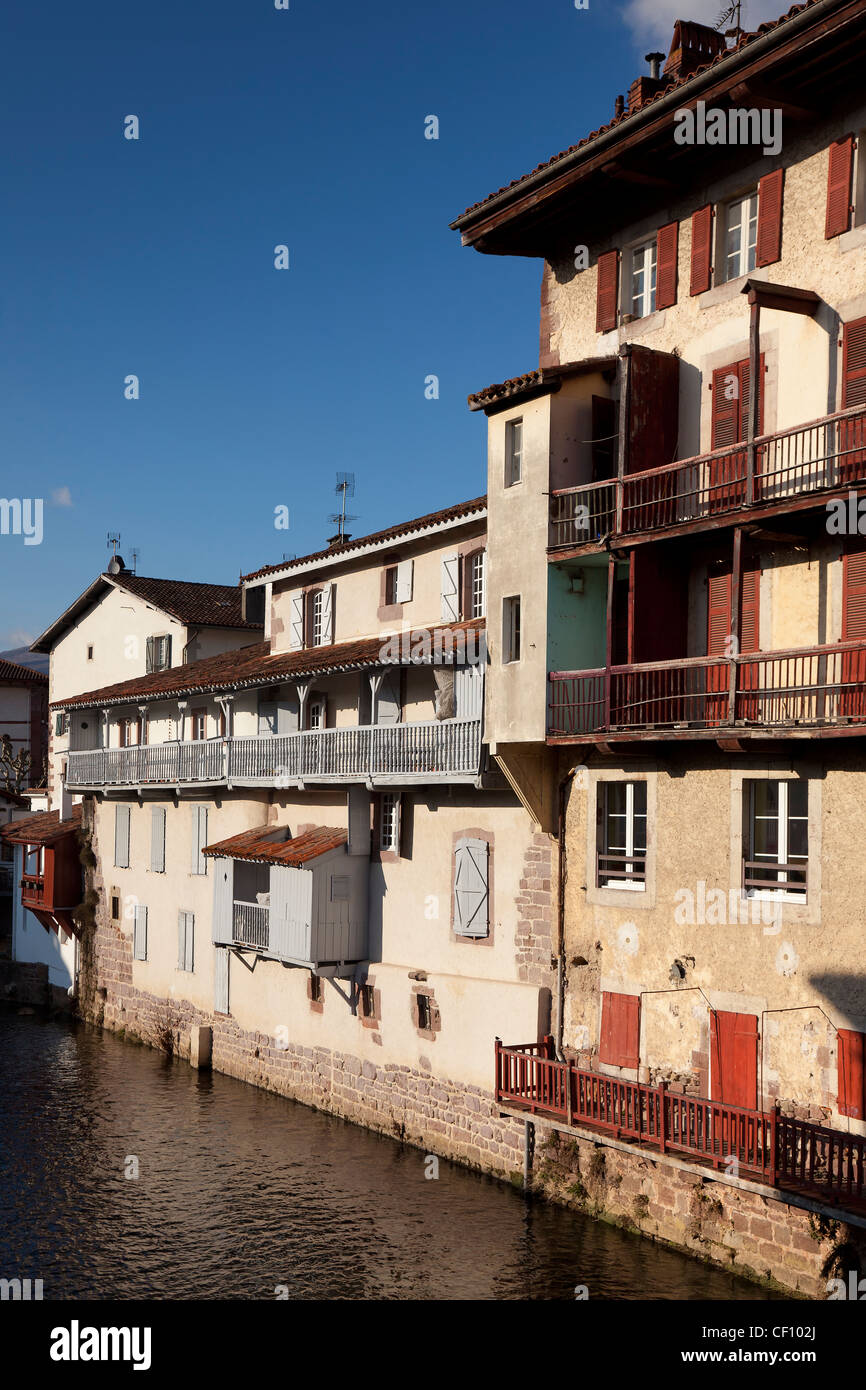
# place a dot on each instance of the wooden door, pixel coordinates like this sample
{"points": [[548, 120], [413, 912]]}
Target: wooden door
{"points": [[852, 433], [852, 695], [734, 1059], [730, 425], [719, 624]]}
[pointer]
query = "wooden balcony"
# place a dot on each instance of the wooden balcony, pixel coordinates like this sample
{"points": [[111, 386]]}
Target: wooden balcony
{"points": [[437, 750], [821, 688], [824, 1163], [781, 472], [33, 891]]}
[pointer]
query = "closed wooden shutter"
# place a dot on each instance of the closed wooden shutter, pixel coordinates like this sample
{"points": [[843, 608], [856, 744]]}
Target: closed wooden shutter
{"points": [[121, 837], [720, 608], [450, 588], [140, 933], [854, 364], [851, 1073], [471, 888], [405, 571], [328, 614], [750, 604], [221, 980], [606, 302], [296, 622], [702, 250], [769, 241], [727, 413], [667, 246], [185, 939], [734, 1059], [388, 705], [150, 659], [620, 1029], [157, 839], [223, 900], [199, 839], [841, 165], [854, 593], [359, 821]]}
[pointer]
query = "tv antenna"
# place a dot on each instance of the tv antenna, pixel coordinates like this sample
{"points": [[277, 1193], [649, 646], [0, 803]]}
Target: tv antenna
{"points": [[113, 539], [733, 12], [135, 554], [345, 488]]}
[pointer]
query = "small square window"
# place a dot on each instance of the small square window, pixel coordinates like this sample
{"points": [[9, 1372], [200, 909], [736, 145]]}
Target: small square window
{"points": [[368, 1001], [425, 1012], [317, 989], [510, 629], [115, 908], [513, 452], [89, 653], [391, 585]]}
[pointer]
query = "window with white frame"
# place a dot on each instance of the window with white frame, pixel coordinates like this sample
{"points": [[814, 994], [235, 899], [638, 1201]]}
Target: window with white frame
{"points": [[316, 712], [741, 236], [477, 586], [622, 825], [316, 618], [776, 839], [510, 629], [513, 452], [158, 653], [391, 585], [643, 279], [199, 724], [389, 822]]}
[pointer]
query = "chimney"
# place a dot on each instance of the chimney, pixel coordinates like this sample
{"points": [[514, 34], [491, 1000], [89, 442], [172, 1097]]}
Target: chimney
{"points": [[619, 106], [655, 61], [645, 87], [334, 541], [692, 46]]}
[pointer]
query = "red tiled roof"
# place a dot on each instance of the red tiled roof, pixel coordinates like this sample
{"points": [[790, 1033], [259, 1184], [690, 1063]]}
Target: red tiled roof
{"points": [[743, 42], [201, 605], [270, 844], [406, 528], [253, 666], [12, 673], [518, 386], [45, 828]]}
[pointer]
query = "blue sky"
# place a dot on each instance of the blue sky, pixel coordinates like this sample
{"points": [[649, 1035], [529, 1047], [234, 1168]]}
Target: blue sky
{"points": [[155, 257]]}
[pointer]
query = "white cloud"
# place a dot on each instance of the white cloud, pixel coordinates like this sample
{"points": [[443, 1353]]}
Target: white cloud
{"points": [[652, 21], [19, 639], [61, 497]]}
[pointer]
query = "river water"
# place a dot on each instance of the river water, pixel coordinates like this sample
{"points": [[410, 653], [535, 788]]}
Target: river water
{"points": [[239, 1192]]}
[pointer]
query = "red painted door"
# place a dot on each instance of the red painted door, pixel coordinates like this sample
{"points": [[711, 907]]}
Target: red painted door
{"points": [[719, 623], [730, 423], [734, 1059]]}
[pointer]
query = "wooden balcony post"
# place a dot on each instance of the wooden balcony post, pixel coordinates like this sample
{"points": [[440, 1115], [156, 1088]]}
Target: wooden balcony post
{"points": [[774, 1130], [663, 1119], [623, 371], [498, 1064], [736, 591], [754, 392]]}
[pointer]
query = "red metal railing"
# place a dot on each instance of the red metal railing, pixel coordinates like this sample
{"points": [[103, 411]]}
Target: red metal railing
{"points": [[770, 1147], [815, 457], [804, 686]]}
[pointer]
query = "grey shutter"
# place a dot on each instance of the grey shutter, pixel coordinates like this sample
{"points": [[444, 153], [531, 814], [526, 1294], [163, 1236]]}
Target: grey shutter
{"points": [[450, 588], [199, 839], [296, 623], [267, 717], [388, 708], [471, 896], [140, 933], [404, 581], [468, 691], [288, 717], [157, 839], [327, 614], [221, 980], [121, 837], [150, 663], [185, 936], [223, 899], [359, 821]]}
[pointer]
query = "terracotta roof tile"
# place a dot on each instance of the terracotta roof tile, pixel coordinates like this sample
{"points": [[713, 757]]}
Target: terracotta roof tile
{"points": [[12, 673], [743, 42], [406, 528], [540, 377], [271, 844], [202, 605], [256, 665], [45, 828]]}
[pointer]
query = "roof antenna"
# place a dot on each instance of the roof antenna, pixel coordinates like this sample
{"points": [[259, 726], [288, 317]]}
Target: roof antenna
{"points": [[733, 12], [135, 555], [115, 564], [346, 487]]}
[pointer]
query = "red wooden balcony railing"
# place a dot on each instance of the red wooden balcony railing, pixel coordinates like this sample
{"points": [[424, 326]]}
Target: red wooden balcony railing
{"points": [[769, 1146], [813, 458], [809, 686], [32, 890]]}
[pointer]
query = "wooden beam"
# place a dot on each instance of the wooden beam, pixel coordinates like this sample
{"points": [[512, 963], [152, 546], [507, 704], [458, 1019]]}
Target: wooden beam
{"points": [[764, 96], [615, 170], [786, 298]]}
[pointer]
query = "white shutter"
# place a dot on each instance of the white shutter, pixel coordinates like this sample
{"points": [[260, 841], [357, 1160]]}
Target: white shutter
{"points": [[287, 717], [267, 718], [327, 614], [199, 839], [185, 937], [223, 900], [471, 898], [140, 933], [468, 692], [221, 980], [296, 633], [388, 707], [121, 837], [404, 581], [157, 839], [450, 588], [359, 821], [150, 659]]}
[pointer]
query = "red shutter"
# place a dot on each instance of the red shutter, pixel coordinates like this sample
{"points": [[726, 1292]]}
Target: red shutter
{"points": [[851, 1054], [718, 609], [667, 244], [745, 396], [769, 245], [620, 1029], [608, 274], [726, 420], [734, 1059], [854, 364], [854, 593], [750, 596], [839, 187], [702, 249]]}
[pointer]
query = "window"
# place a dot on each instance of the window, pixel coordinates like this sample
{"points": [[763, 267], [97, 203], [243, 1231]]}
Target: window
{"points": [[471, 899], [513, 452], [185, 941], [510, 630], [316, 715], [316, 610], [621, 858], [776, 838], [477, 587], [368, 1001], [199, 839], [89, 653], [390, 585], [129, 731], [317, 992], [643, 279], [339, 888], [741, 236], [199, 724], [61, 723], [158, 653], [115, 907], [425, 1012], [389, 822]]}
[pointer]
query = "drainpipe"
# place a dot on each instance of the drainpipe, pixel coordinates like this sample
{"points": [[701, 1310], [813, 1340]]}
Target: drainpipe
{"points": [[560, 915]]}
